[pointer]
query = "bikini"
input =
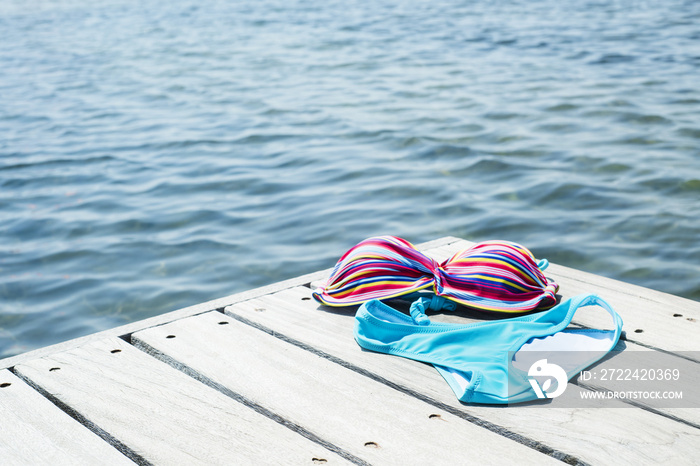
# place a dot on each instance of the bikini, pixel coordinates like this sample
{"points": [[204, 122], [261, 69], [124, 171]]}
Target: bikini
{"points": [[496, 276], [490, 362], [493, 362]]}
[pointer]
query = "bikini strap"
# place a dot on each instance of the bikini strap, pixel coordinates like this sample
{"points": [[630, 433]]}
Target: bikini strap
{"points": [[595, 300], [434, 303]]}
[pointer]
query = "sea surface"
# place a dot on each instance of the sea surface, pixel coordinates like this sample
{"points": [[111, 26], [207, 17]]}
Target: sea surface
{"points": [[157, 154]]}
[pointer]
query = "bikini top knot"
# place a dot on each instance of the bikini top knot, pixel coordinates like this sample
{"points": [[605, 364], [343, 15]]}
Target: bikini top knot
{"points": [[497, 276]]}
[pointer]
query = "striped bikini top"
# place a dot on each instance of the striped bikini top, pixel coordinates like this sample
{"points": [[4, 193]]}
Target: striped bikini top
{"points": [[496, 276]]}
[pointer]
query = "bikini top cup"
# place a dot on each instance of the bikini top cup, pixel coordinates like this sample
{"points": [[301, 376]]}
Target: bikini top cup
{"points": [[496, 276]]}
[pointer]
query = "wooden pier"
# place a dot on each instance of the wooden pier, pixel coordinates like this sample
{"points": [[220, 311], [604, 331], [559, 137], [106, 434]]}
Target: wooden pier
{"points": [[270, 377]]}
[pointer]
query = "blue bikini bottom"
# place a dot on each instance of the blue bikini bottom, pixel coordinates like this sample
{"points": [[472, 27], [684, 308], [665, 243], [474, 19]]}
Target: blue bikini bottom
{"points": [[493, 362]]}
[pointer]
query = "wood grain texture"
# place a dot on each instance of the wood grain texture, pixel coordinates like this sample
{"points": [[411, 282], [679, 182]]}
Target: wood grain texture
{"points": [[595, 435], [158, 415], [368, 419], [650, 317], [34, 431]]}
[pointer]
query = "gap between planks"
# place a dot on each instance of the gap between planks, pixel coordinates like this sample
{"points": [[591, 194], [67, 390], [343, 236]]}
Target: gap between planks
{"points": [[370, 420], [155, 414], [293, 316]]}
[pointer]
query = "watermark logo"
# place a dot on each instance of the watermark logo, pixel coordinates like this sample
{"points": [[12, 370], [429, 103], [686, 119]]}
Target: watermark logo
{"points": [[606, 379], [542, 369]]}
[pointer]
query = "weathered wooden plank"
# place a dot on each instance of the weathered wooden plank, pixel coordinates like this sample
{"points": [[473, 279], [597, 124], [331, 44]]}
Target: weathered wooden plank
{"points": [[596, 435], [651, 318], [36, 432], [219, 303], [365, 418], [156, 414]]}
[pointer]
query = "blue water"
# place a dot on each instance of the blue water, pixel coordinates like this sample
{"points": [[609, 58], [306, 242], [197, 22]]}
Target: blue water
{"points": [[158, 154]]}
